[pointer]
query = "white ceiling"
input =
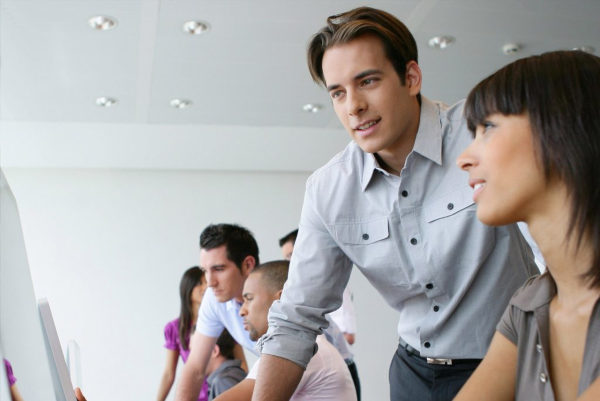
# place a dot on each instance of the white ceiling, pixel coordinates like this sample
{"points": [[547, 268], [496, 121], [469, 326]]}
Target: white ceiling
{"points": [[247, 77]]}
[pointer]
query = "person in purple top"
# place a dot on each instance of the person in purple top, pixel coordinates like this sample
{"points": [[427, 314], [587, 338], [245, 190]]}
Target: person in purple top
{"points": [[178, 331], [14, 391]]}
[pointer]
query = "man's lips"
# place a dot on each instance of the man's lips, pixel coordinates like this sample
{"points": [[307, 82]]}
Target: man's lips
{"points": [[366, 126]]}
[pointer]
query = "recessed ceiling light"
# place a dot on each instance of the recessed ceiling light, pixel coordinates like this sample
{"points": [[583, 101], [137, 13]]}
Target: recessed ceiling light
{"points": [[441, 42], [587, 49], [105, 101], [102, 22], [312, 108], [180, 103], [196, 27], [511, 48]]}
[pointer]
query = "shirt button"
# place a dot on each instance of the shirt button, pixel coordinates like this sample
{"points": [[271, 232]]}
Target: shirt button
{"points": [[413, 241], [429, 286], [426, 344], [436, 308], [450, 206], [365, 236], [538, 347], [543, 377], [404, 193]]}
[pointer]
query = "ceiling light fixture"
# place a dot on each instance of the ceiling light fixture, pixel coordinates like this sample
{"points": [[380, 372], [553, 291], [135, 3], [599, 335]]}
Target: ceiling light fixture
{"points": [[441, 42], [312, 108], [511, 48], [587, 49], [102, 22], [196, 27], [105, 101], [180, 103]]}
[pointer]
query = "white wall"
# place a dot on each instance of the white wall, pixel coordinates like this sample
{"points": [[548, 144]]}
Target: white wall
{"points": [[107, 248]]}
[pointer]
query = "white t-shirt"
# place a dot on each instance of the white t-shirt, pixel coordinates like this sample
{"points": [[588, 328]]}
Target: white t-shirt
{"points": [[213, 316], [326, 376]]}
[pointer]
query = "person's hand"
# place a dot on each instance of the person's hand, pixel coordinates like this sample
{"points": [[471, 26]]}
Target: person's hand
{"points": [[79, 394]]}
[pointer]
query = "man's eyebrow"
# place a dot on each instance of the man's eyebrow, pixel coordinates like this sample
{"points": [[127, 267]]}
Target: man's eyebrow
{"points": [[357, 77], [367, 73]]}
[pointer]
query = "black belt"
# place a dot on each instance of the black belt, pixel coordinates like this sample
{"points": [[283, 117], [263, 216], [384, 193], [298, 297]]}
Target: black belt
{"points": [[434, 361]]}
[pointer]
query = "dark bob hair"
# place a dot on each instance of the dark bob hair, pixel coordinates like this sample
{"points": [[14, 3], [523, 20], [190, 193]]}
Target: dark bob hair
{"points": [[560, 92]]}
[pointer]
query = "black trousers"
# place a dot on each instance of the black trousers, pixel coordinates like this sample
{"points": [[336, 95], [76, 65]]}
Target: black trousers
{"points": [[354, 374], [413, 379]]}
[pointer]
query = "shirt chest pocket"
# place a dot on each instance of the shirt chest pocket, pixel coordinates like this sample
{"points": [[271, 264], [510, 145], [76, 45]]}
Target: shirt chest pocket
{"points": [[367, 243], [448, 205]]}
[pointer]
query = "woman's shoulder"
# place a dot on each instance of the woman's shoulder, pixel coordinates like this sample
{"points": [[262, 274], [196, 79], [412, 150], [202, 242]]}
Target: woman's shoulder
{"points": [[172, 326], [535, 292]]}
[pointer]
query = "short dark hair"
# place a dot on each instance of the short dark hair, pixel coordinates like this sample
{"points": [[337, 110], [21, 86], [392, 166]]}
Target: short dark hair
{"points": [[238, 241], [274, 274], [226, 344], [560, 92], [291, 236], [399, 44]]}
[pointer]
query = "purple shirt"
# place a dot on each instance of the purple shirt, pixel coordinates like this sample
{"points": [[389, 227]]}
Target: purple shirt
{"points": [[9, 373], [172, 342]]}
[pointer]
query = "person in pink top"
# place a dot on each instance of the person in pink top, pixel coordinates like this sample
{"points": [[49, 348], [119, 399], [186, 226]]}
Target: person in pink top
{"points": [[178, 331]]}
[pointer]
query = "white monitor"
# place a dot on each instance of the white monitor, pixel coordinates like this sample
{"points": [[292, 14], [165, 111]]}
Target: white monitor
{"points": [[21, 336]]}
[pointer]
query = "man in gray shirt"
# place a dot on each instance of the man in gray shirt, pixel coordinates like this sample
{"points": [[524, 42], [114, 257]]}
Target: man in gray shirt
{"points": [[394, 205], [223, 370]]}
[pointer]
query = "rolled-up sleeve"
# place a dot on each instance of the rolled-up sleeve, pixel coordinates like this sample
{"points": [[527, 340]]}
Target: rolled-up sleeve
{"points": [[319, 272]]}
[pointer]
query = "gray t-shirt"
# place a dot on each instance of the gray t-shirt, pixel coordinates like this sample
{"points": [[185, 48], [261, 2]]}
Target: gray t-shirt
{"points": [[224, 377], [526, 323]]}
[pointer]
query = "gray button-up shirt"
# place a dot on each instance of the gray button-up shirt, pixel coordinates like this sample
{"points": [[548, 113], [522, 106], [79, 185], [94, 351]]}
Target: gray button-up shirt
{"points": [[415, 237], [526, 323]]}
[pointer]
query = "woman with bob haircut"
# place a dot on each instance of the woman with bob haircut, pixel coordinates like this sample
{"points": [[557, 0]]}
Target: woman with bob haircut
{"points": [[536, 158]]}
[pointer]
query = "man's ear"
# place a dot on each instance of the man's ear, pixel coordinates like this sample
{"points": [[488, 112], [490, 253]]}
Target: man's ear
{"points": [[413, 77], [278, 294], [248, 264], [215, 352]]}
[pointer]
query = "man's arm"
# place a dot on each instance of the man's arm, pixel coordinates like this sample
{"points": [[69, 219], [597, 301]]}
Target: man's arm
{"points": [[192, 376], [277, 379], [240, 392]]}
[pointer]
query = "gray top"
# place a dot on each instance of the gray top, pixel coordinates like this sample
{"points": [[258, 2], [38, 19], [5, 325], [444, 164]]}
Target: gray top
{"points": [[415, 237], [224, 377], [526, 323]]}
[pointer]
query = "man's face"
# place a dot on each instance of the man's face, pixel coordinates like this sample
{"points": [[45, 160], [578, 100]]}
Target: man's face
{"points": [[287, 249], [222, 275], [380, 113], [257, 300]]}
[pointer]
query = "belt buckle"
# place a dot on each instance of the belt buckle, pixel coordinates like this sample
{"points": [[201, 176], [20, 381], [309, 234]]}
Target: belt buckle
{"points": [[439, 361]]}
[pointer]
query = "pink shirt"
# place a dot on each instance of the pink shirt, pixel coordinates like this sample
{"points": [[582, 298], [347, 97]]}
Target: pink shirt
{"points": [[172, 342]]}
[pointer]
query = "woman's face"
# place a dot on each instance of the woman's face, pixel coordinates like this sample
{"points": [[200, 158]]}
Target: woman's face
{"points": [[507, 178], [198, 292]]}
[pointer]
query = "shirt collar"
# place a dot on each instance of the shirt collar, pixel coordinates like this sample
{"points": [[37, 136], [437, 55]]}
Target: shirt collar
{"points": [[428, 142], [541, 291], [232, 304]]}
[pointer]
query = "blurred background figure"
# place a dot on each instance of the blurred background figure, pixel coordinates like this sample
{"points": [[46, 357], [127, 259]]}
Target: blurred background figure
{"points": [[178, 331], [14, 391], [223, 370]]}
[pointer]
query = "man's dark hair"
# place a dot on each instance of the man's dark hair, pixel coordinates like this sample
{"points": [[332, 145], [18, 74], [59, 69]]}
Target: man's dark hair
{"points": [[273, 274], [238, 241], [559, 91], [226, 344], [399, 44], [291, 236]]}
